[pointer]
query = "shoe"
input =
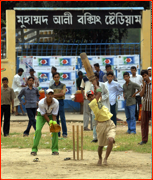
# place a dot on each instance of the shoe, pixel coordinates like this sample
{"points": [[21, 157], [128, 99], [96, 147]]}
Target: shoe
{"points": [[55, 153], [25, 135], [133, 133], [33, 153], [86, 129], [94, 140], [5, 135], [64, 136], [142, 142], [128, 132]]}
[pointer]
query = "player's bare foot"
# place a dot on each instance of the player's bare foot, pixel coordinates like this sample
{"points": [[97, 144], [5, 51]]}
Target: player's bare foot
{"points": [[99, 162], [105, 162]]}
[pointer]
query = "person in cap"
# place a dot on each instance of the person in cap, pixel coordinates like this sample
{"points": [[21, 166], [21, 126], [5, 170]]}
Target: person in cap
{"points": [[105, 128], [36, 80], [149, 73], [31, 95], [47, 112]]}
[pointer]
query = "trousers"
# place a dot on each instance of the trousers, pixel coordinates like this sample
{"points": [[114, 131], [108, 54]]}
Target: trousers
{"points": [[5, 110]]}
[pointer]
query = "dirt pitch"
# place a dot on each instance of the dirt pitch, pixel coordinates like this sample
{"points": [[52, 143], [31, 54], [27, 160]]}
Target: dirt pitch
{"points": [[18, 163]]}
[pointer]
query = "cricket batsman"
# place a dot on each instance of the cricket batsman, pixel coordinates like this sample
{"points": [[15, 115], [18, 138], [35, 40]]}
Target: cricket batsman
{"points": [[47, 111], [105, 128]]}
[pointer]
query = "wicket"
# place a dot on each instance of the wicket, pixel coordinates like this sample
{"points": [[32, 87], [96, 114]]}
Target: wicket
{"points": [[73, 136]]}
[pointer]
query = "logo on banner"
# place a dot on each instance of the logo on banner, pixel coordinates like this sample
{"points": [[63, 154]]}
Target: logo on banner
{"points": [[128, 60], [68, 90], [65, 61], [43, 77], [44, 61], [65, 76], [107, 61]]}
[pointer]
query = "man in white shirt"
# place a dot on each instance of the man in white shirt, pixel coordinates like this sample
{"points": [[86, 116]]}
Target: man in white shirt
{"points": [[86, 85], [47, 112], [17, 87], [136, 78], [115, 90], [53, 70], [149, 73], [104, 101]]}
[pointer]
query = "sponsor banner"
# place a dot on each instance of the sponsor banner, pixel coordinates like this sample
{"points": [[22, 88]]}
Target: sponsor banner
{"points": [[120, 74], [65, 60], [107, 60], [69, 83], [43, 77], [70, 90], [43, 61], [128, 60], [67, 76]]}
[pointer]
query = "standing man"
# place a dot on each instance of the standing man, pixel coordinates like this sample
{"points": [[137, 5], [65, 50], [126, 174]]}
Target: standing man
{"points": [[7, 98], [85, 86], [146, 93], [149, 73], [59, 93], [104, 100], [79, 79], [129, 93], [101, 73], [108, 68], [114, 89], [47, 112], [36, 80], [105, 128], [31, 100], [136, 78], [53, 70], [17, 87]]}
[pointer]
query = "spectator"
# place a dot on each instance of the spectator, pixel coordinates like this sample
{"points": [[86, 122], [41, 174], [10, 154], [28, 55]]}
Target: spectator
{"points": [[7, 98], [59, 93], [53, 70], [101, 73], [47, 112], [114, 89], [31, 95], [36, 80], [149, 73], [85, 86], [129, 93], [103, 101], [79, 79], [108, 68], [146, 93], [136, 78], [17, 87]]}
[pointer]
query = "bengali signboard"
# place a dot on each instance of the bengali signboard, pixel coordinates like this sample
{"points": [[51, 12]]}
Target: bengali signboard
{"points": [[78, 19]]}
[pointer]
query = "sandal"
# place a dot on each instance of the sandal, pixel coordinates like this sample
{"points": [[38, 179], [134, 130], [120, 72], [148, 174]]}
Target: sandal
{"points": [[33, 153], [55, 153]]}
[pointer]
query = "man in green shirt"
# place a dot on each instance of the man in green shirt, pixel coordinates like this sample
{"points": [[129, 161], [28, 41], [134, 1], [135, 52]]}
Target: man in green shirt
{"points": [[129, 93]]}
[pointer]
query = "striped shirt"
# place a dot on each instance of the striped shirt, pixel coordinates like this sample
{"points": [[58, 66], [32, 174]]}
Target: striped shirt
{"points": [[147, 98]]}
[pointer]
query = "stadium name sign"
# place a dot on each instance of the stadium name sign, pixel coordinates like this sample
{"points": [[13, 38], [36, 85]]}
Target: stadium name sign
{"points": [[78, 19]]}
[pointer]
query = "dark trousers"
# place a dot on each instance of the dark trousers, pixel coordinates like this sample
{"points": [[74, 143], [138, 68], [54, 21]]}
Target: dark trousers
{"points": [[145, 116], [113, 111], [5, 109], [32, 121], [61, 113], [138, 102]]}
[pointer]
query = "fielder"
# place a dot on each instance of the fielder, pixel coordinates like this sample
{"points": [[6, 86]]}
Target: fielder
{"points": [[47, 111], [105, 128]]}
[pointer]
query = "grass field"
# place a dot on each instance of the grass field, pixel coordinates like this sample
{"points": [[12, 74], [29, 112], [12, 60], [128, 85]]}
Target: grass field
{"points": [[124, 142]]}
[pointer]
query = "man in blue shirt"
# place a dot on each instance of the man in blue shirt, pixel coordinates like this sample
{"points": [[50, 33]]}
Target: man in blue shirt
{"points": [[100, 72], [31, 100], [114, 89]]}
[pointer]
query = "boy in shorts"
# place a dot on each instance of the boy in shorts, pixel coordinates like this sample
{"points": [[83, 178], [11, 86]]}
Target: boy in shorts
{"points": [[105, 128]]}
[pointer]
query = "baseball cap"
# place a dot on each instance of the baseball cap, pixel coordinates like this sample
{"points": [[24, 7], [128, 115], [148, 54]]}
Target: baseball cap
{"points": [[149, 68], [89, 92], [49, 90], [31, 70]]}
